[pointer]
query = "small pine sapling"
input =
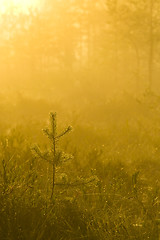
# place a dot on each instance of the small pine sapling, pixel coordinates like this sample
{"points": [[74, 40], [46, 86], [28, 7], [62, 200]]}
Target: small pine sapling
{"points": [[53, 155]]}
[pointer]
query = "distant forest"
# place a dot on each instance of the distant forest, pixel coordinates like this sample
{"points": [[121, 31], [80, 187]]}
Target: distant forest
{"points": [[109, 45]]}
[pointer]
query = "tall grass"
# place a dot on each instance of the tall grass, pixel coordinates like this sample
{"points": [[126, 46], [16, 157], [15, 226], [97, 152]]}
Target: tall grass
{"points": [[108, 190]]}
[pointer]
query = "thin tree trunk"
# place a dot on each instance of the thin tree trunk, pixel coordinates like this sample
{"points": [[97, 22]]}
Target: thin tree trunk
{"points": [[137, 53], [151, 47], [53, 167], [116, 43]]}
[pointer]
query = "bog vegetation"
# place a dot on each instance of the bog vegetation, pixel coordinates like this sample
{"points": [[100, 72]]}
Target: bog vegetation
{"points": [[101, 181], [92, 65]]}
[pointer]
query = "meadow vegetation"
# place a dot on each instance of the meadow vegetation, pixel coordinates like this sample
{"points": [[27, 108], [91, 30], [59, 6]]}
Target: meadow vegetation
{"points": [[106, 177]]}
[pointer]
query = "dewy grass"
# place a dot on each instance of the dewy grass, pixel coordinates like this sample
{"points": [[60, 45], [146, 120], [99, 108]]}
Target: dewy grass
{"points": [[124, 202]]}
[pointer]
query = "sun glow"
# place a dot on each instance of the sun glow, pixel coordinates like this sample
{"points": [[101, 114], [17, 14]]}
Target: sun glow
{"points": [[20, 5]]}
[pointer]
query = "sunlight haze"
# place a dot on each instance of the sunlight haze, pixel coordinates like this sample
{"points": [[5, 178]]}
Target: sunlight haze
{"points": [[21, 5], [79, 119]]}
